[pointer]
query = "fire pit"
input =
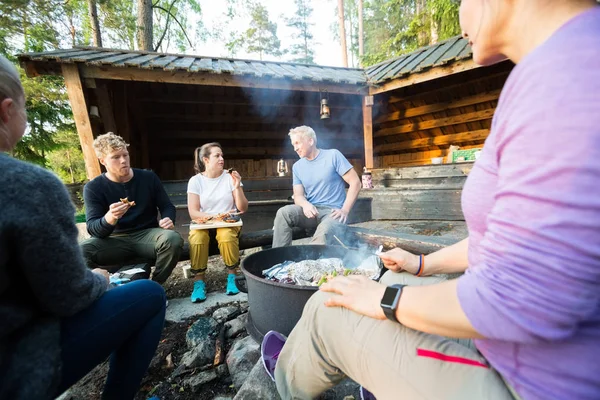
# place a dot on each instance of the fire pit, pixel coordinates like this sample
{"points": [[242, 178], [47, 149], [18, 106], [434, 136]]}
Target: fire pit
{"points": [[277, 306]]}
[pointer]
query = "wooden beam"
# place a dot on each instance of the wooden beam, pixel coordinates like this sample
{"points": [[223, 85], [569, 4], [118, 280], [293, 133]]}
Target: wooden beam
{"points": [[142, 128], [430, 74], [189, 78], [121, 110], [82, 118], [437, 123], [447, 105], [471, 136], [281, 135], [106, 109], [367, 112]]}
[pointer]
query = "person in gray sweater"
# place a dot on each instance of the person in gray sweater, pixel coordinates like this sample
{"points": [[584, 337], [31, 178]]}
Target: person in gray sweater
{"points": [[58, 319]]}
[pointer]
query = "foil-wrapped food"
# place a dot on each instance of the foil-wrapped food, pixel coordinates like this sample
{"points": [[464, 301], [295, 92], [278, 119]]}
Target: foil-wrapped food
{"points": [[316, 272]]}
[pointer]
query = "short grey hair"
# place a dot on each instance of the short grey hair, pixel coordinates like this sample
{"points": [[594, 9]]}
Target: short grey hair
{"points": [[10, 88], [304, 131]]}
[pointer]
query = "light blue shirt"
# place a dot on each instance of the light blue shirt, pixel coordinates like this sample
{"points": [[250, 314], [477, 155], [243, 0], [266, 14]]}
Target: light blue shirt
{"points": [[322, 178]]}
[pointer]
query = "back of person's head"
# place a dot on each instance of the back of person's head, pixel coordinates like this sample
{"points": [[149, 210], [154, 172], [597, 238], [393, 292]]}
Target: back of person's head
{"points": [[304, 131], [10, 88], [107, 143], [200, 153]]}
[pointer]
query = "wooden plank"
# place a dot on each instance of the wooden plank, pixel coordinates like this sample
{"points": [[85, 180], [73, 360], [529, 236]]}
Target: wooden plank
{"points": [[140, 125], [436, 123], [416, 244], [429, 171], [431, 108], [474, 136], [120, 97], [106, 109], [431, 74], [390, 203], [82, 119], [448, 182], [182, 63], [367, 112], [189, 78]]}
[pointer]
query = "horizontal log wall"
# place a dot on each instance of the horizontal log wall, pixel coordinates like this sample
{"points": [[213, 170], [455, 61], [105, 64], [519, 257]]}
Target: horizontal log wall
{"points": [[414, 124]]}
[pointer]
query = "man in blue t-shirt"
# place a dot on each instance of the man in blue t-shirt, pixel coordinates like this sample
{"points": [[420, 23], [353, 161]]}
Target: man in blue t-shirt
{"points": [[320, 197]]}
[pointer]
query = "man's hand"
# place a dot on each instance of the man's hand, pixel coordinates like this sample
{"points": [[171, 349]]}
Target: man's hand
{"points": [[357, 293], [340, 215], [115, 212], [398, 260], [310, 211], [102, 272], [166, 223]]}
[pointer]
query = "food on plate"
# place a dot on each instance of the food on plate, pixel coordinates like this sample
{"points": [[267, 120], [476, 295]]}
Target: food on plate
{"points": [[222, 217], [128, 202]]}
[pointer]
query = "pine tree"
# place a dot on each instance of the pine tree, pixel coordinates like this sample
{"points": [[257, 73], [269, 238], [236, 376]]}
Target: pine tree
{"points": [[302, 49], [261, 37]]}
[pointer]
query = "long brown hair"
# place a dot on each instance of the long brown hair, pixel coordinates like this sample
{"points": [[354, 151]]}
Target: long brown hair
{"points": [[202, 152]]}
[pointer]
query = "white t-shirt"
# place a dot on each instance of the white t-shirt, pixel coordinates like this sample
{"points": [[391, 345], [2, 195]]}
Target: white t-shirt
{"points": [[215, 193]]}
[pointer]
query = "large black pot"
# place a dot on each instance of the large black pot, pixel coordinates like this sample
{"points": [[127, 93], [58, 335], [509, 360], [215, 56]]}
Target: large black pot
{"points": [[277, 306]]}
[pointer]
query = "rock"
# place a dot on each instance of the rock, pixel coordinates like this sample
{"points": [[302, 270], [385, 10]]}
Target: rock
{"points": [[196, 382], [200, 355], [236, 326], [182, 309], [345, 389], [258, 385], [244, 306], [241, 359], [201, 330], [225, 313], [223, 398]]}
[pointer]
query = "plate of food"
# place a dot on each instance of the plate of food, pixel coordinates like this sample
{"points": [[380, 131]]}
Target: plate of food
{"points": [[221, 220]]}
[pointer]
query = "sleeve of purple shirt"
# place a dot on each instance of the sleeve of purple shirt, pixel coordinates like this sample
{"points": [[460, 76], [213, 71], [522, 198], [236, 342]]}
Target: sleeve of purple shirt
{"points": [[538, 275]]}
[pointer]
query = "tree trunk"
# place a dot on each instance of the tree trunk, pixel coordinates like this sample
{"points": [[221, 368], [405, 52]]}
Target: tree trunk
{"points": [[422, 35], [70, 166], [341, 22], [361, 43], [95, 24], [144, 25], [434, 37]]}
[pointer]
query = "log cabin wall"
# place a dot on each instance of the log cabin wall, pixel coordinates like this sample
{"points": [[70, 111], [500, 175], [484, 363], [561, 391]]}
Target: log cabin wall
{"points": [[413, 124], [165, 123]]}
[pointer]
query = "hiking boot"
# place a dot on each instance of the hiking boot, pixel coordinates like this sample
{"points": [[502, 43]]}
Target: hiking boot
{"points": [[199, 292], [231, 288], [269, 351]]}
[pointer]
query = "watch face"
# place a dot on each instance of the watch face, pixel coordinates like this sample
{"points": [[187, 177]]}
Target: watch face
{"points": [[389, 296]]}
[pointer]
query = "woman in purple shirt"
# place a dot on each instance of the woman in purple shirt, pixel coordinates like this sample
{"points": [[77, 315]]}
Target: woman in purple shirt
{"points": [[524, 319]]}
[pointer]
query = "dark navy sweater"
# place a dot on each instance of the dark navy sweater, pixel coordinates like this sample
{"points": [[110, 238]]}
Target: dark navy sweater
{"points": [[144, 188]]}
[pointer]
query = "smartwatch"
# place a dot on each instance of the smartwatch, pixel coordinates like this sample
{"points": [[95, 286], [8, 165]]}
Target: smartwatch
{"points": [[390, 300]]}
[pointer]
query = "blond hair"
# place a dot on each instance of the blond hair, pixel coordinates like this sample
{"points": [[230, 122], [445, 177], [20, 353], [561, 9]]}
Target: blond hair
{"points": [[107, 143], [10, 88], [304, 131]]}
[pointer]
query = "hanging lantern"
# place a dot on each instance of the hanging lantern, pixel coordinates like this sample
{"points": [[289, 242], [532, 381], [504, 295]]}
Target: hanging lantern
{"points": [[325, 112]]}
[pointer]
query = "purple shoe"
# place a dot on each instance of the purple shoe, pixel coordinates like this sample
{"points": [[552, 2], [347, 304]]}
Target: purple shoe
{"points": [[365, 394], [271, 347]]}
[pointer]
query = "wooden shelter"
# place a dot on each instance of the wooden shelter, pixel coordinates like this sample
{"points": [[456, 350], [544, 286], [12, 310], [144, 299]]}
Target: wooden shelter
{"points": [[397, 113]]}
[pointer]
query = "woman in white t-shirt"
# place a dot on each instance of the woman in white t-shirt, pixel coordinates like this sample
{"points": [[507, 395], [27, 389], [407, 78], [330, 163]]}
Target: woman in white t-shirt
{"points": [[210, 192]]}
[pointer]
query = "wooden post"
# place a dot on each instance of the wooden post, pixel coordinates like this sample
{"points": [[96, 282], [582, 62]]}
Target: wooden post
{"points": [[82, 118], [106, 110], [367, 109]]}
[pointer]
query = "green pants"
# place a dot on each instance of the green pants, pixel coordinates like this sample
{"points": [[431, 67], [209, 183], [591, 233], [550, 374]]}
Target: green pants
{"points": [[157, 246], [390, 360]]}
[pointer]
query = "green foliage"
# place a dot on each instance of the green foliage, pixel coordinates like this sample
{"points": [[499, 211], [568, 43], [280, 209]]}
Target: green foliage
{"points": [[261, 37], [300, 22]]}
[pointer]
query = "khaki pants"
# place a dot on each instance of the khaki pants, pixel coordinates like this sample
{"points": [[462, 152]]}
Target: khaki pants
{"points": [[229, 247], [161, 247], [388, 359]]}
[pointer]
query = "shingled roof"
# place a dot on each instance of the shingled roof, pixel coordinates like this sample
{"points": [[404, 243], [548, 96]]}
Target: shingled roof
{"points": [[436, 55], [420, 60], [179, 62]]}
